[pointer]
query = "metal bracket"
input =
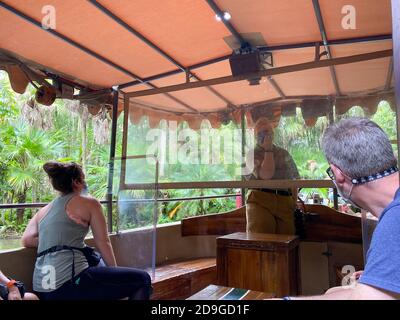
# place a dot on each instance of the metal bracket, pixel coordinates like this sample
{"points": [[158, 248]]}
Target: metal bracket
{"points": [[267, 59], [318, 53], [189, 75]]}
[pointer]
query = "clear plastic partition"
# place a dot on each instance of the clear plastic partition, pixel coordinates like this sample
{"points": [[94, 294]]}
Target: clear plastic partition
{"points": [[206, 150], [191, 154], [139, 210]]}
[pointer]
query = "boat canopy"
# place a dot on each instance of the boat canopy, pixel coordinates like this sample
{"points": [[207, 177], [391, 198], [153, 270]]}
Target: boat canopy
{"points": [[171, 59]]}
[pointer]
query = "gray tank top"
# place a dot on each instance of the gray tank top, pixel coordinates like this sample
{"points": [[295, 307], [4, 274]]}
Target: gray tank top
{"points": [[56, 228]]}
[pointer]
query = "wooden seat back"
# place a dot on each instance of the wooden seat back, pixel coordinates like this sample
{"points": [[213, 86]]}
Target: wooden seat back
{"points": [[215, 224], [321, 224]]}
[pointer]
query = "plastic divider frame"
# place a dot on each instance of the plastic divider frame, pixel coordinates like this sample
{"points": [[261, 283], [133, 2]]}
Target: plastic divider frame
{"points": [[129, 205]]}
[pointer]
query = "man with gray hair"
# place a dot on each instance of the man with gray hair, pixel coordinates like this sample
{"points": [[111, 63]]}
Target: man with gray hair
{"points": [[364, 169]]}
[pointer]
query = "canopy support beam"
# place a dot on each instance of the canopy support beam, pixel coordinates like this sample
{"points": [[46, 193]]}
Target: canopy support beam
{"points": [[266, 73], [389, 76], [385, 37], [276, 87], [320, 20], [251, 184], [228, 25]]}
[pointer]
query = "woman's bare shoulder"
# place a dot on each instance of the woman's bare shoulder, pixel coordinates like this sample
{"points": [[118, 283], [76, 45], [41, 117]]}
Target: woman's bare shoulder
{"points": [[87, 200]]}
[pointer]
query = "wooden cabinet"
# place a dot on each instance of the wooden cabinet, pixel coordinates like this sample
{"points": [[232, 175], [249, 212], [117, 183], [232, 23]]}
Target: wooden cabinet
{"points": [[260, 262], [324, 264]]}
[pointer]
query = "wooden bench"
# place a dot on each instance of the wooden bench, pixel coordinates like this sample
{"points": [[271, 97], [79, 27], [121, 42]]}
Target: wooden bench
{"points": [[218, 224], [179, 280]]}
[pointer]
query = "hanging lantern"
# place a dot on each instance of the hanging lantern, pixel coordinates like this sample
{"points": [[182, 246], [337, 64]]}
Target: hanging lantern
{"points": [[45, 95]]}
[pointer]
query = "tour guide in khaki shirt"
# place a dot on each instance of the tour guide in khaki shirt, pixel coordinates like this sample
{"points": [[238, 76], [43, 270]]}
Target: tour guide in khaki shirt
{"points": [[270, 210]]}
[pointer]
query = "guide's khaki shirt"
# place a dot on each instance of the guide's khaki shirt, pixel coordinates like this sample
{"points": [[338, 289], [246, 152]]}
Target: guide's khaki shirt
{"points": [[285, 167]]}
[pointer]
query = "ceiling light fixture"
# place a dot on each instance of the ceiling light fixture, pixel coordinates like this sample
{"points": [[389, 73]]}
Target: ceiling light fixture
{"points": [[226, 16]]}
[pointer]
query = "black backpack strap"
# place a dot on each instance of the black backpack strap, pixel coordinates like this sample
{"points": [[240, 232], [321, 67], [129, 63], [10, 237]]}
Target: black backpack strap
{"points": [[92, 257], [54, 249], [60, 248], [73, 265]]}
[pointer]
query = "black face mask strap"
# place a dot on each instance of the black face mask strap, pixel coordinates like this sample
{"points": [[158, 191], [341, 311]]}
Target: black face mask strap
{"points": [[376, 176]]}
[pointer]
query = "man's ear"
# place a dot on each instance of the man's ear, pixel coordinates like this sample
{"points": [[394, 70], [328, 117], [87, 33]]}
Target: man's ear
{"points": [[339, 176]]}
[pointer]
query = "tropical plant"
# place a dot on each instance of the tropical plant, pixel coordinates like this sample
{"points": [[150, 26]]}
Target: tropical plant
{"points": [[8, 100], [24, 151]]}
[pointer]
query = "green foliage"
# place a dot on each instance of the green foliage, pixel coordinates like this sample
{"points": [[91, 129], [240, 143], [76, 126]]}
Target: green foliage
{"points": [[7, 100], [25, 147], [386, 118], [25, 150], [9, 222]]}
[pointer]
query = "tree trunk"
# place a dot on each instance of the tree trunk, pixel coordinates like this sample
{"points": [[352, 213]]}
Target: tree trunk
{"points": [[202, 209], [21, 198]]}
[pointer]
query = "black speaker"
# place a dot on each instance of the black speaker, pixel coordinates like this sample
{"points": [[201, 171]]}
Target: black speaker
{"points": [[245, 63]]}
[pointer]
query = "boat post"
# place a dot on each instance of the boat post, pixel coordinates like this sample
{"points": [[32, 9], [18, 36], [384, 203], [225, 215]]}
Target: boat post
{"points": [[114, 121], [243, 127]]}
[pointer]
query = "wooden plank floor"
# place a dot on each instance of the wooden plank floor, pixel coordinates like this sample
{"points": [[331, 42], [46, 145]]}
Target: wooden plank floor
{"points": [[181, 279]]}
